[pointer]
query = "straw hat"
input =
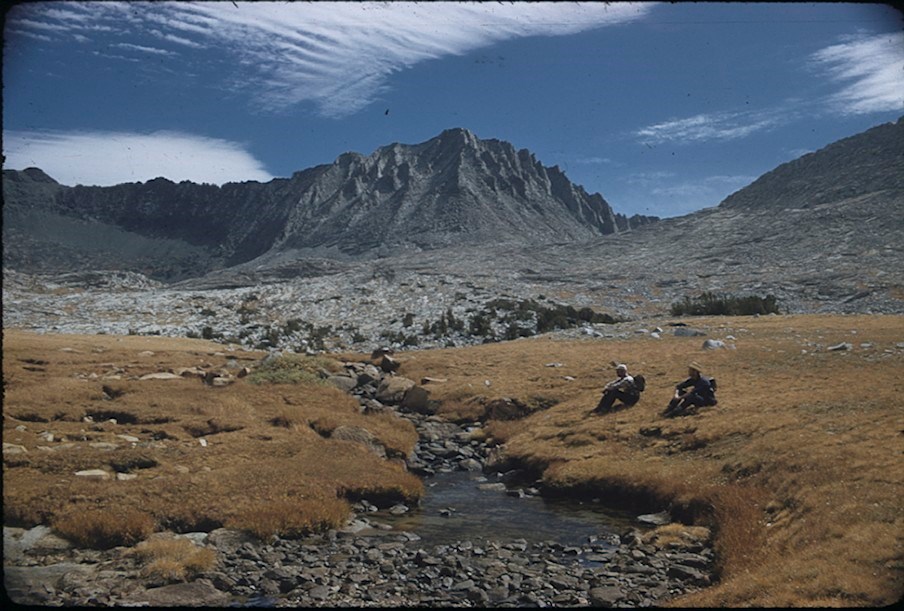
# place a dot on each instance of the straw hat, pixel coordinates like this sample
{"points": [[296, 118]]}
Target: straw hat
{"points": [[696, 367]]}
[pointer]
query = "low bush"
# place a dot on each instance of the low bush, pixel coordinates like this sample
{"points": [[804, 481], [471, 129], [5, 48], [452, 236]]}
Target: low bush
{"points": [[293, 369], [716, 304]]}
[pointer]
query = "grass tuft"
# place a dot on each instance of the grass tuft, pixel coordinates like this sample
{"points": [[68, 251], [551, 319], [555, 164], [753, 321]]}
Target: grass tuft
{"points": [[103, 529], [172, 560]]}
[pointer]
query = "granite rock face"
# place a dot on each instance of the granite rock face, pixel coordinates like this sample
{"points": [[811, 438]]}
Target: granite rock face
{"points": [[454, 189]]}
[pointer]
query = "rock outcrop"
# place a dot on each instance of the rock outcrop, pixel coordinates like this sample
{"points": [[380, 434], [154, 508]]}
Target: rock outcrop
{"points": [[454, 189]]}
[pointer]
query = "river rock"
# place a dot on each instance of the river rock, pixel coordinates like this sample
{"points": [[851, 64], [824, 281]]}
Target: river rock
{"points": [[606, 596], [201, 593]]}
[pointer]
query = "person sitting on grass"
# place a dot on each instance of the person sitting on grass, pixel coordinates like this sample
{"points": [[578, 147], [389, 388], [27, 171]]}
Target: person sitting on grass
{"points": [[620, 389], [701, 393]]}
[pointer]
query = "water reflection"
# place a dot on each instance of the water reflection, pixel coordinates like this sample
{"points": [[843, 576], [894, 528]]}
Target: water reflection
{"points": [[482, 514]]}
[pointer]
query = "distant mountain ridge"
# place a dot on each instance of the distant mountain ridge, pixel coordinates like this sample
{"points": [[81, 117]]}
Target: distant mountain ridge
{"points": [[864, 164], [454, 189]]}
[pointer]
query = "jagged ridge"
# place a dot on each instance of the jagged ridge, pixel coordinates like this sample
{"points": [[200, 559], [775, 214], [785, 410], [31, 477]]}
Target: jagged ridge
{"points": [[454, 189]]}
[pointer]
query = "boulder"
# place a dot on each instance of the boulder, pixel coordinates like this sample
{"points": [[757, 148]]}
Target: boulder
{"points": [[392, 390], [417, 399], [389, 364], [343, 383]]}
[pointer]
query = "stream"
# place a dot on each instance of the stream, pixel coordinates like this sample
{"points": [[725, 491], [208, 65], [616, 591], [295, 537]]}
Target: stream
{"points": [[463, 505]]}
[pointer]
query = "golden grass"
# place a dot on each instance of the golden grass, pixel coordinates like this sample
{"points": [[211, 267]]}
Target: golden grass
{"points": [[103, 529], [205, 456], [172, 560], [798, 471]]}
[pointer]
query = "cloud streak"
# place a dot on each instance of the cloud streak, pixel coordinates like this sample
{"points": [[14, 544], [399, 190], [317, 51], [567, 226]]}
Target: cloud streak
{"points": [[110, 158], [337, 55], [706, 127], [872, 70]]}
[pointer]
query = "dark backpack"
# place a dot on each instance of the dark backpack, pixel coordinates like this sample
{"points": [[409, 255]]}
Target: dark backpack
{"points": [[640, 383], [712, 383]]}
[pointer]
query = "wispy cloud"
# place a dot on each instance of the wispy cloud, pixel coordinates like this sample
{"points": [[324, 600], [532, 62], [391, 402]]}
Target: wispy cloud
{"points": [[594, 160], [705, 127], [872, 70], [144, 49], [336, 55], [109, 158]]}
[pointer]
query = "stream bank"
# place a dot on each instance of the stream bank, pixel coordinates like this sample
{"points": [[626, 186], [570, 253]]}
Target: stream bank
{"points": [[482, 536]]}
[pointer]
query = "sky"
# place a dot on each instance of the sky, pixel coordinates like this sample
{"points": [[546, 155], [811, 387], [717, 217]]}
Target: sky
{"points": [[662, 108]]}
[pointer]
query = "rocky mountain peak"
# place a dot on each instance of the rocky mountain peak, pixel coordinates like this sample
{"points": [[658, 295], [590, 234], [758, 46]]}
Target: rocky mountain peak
{"points": [[453, 189]]}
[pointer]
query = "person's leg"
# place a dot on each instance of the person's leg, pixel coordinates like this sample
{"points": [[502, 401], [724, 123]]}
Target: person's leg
{"points": [[673, 405], [606, 402]]}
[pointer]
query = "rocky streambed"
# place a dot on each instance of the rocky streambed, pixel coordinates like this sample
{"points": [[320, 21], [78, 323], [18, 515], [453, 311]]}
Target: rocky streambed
{"points": [[397, 555]]}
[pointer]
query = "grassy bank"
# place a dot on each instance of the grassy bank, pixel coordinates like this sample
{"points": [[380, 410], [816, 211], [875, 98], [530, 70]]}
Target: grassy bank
{"points": [[799, 469], [179, 453]]}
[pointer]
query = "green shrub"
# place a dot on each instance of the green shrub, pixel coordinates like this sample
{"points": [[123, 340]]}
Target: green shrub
{"points": [[292, 369], [718, 304]]}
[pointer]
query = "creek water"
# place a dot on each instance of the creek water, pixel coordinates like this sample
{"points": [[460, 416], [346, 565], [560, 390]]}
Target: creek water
{"points": [[456, 508]]}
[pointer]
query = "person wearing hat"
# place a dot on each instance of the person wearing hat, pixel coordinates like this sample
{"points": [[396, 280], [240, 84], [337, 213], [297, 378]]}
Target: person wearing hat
{"points": [[621, 389], [701, 392]]}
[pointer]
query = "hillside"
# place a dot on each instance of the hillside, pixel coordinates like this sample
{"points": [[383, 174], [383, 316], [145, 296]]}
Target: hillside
{"points": [[454, 189]]}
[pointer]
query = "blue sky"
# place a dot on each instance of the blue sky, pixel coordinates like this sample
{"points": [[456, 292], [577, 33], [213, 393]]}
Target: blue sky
{"points": [[661, 108]]}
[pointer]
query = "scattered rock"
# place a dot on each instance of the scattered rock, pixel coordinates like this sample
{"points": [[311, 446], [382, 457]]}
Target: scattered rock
{"points": [[714, 344], [98, 474], [688, 332], [160, 375]]}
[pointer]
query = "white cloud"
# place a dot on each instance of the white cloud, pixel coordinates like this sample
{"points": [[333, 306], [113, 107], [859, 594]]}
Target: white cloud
{"points": [[714, 126], [109, 158], [872, 69], [143, 49], [336, 55]]}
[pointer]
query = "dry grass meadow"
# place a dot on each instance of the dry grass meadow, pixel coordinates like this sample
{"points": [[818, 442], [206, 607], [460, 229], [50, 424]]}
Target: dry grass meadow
{"points": [[798, 471], [179, 454]]}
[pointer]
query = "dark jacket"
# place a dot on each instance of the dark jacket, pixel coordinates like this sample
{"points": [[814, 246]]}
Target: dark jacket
{"points": [[702, 387]]}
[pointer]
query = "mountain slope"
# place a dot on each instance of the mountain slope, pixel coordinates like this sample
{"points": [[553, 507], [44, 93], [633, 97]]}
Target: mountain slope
{"points": [[454, 189], [862, 164]]}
